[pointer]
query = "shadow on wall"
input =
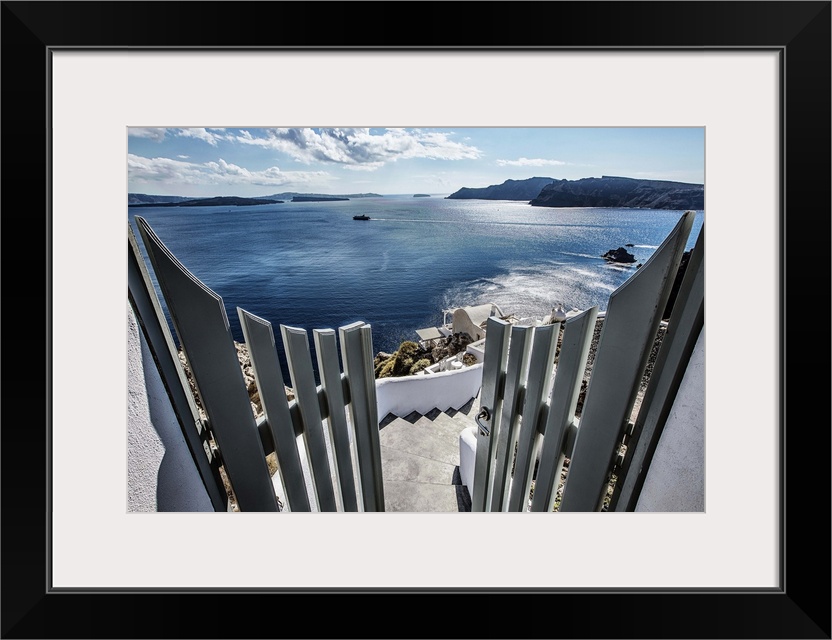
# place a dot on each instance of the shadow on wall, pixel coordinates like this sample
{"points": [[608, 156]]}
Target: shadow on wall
{"points": [[423, 393], [162, 475]]}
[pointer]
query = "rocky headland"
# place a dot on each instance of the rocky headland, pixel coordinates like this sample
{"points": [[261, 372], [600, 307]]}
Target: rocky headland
{"points": [[606, 191], [609, 191]]}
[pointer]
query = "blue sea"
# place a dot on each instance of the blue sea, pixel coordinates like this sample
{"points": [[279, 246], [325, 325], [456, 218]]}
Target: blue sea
{"points": [[310, 265]]}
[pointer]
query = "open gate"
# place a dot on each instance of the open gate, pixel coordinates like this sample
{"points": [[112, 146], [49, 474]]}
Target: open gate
{"points": [[527, 426]]}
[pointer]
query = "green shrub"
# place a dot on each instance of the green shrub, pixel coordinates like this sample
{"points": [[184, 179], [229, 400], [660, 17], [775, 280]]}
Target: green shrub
{"points": [[419, 365], [386, 370], [406, 360], [408, 348]]}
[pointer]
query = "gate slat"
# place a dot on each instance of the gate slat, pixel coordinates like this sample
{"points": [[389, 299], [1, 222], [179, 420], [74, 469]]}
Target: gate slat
{"points": [[683, 330], [268, 374], [630, 326], [574, 349], [148, 310], [357, 358], [299, 360], [493, 377], [326, 347], [539, 379], [199, 317], [518, 348]]}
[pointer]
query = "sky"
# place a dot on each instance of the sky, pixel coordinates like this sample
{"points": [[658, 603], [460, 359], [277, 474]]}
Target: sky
{"points": [[252, 162]]}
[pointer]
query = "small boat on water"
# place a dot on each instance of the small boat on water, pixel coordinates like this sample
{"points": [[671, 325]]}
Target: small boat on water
{"points": [[361, 217]]}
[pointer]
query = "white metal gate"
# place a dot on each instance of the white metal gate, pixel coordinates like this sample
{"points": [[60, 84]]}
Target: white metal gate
{"points": [[527, 423], [325, 441]]}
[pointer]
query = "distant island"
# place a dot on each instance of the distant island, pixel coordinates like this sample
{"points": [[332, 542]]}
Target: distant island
{"points": [[606, 191], [143, 198], [290, 195], [508, 190], [149, 200], [421, 195], [318, 199], [220, 201]]}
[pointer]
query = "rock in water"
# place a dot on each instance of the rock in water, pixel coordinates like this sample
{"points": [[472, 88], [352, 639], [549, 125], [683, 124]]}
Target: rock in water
{"points": [[619, 255]]}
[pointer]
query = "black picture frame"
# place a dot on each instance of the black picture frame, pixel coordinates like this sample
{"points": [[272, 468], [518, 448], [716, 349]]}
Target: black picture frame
{"points": [[800, 608]]}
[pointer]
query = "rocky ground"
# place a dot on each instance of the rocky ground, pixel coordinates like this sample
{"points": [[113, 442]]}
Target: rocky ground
{"points": [[645, 378], [599, 323], [244, 359]]}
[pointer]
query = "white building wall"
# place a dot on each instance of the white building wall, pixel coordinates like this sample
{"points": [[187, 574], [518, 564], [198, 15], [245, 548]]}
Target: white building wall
{"points": [[161, 473], [675, 480]]}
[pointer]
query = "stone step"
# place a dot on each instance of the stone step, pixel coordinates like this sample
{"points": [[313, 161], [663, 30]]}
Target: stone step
{"points": [[420, 461], [422, 438], [402, 466], [417, 497]]}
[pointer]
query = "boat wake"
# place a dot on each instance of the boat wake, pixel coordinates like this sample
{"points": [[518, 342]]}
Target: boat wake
{"points": [[532, 292]]}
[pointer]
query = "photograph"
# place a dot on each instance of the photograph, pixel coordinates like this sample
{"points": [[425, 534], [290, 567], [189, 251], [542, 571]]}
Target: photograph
{"points": [[416, 310], [433, 238]]}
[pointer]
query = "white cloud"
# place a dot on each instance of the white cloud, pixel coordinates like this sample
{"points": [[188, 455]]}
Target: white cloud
{"points": [[200, 133], [367, 166], [359, 148], [168, 170], [530, 162], [155, 134]]}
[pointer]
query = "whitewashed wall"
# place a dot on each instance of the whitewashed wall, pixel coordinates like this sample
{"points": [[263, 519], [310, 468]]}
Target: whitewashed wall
{"points": [[676, 478], [447, 390], [161, 473]]}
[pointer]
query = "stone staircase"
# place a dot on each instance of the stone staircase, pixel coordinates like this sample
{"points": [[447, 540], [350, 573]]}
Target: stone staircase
{"points": [[420, 460]]}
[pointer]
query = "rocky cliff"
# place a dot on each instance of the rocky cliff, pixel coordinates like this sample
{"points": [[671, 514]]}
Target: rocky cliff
{"points": [[608, 191]]}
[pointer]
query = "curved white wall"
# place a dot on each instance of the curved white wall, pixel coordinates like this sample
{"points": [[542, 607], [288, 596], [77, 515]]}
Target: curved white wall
{"points": [[468, 456], [676, 478], [447, 390], [162, 475]]}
